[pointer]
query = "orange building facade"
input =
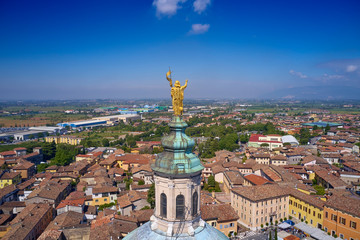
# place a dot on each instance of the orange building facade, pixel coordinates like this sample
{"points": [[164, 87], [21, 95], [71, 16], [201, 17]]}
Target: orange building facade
{"points": [[342, 222]]}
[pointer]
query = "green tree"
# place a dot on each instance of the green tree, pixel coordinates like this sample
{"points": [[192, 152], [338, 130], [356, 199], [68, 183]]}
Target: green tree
{"points": [[49, 150], [41, 167], [304, 136], [320, 190], [141, 182], [65, 154], [244, 138], [211, 181], [270, 238], [105, 142], [151, 196], [327, 128], [276, 238]]}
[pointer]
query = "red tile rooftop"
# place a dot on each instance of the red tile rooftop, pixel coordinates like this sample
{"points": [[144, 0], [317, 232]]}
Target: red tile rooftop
{"points": [[255, 179]]}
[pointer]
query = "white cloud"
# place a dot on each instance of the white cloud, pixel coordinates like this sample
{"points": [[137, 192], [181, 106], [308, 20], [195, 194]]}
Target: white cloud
{"points": [[167, 7], [351, 68], [201, 5], [199, 28], [332, 76], [297, 74]]}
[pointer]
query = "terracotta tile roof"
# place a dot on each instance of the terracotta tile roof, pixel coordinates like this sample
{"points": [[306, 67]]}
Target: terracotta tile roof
{"points": [[13, 204], [131, 218], [260, 192], [245, 166], [234, 177], [279, 157], [10, 175], [7, 190], [262, 155], [117, 171], [51, 235], [256, 180], [330, 178], [76, 195], [90, 210], [145, 167], [76, 203], [143, 215], [206, 198], [345, 204], [27, 184], [27, 220], [4, 218], [310, 158], [23, 165], [137, 187], [8, 153], [67, 219], [220, 212], [217, 169], [112, 229], [19, 149], [353, 165], [311, 199], [52, 167], [272, 175], [134, 158], [108, 161], [49, 191], [124, 201], [131, 196]]}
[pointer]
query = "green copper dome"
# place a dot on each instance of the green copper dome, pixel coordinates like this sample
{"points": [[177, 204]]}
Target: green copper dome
{"points": [[177, 157]]}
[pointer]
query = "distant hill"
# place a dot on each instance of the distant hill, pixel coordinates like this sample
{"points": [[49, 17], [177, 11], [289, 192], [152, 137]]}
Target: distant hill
{"points": [[316, 92]]}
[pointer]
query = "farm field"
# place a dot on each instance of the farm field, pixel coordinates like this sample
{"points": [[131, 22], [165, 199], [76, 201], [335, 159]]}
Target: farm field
{"points": [[43, 119]]}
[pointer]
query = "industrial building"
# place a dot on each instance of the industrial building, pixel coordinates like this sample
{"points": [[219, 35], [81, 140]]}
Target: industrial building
{"points": [[323, 124], [101, 121], [50, 130], [290, 139], [84, 124], [114, 119], [25, 135]]}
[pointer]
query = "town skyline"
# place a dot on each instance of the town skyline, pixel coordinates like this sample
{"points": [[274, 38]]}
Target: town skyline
{"points": [[227, 50]]}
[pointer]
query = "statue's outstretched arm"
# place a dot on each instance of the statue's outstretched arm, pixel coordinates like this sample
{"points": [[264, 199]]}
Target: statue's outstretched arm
{"points": [[169, 78], [183, 87]]}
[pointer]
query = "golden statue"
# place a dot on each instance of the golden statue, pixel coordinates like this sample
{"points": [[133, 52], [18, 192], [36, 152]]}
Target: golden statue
{"points": [[177, 94]]}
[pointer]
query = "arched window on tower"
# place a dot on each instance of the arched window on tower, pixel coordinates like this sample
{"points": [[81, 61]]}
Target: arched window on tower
{"points": [[180, 207], [163, 205], [194, 203]]}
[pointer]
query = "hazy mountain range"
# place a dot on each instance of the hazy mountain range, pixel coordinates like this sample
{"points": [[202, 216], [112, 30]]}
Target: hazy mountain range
{"points": [[316, 92]]}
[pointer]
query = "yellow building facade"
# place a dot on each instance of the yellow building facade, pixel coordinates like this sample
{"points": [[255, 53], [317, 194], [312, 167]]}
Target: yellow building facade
{"points": [[9, 179], [227, 227], [306, 207], [72, 140]]}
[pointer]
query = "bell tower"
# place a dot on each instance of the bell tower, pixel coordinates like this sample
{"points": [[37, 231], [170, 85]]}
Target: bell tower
{"points": [[177, 175]]}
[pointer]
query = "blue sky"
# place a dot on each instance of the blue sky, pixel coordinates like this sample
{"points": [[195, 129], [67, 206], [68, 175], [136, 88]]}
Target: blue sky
{"points": [[227, 49]]}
